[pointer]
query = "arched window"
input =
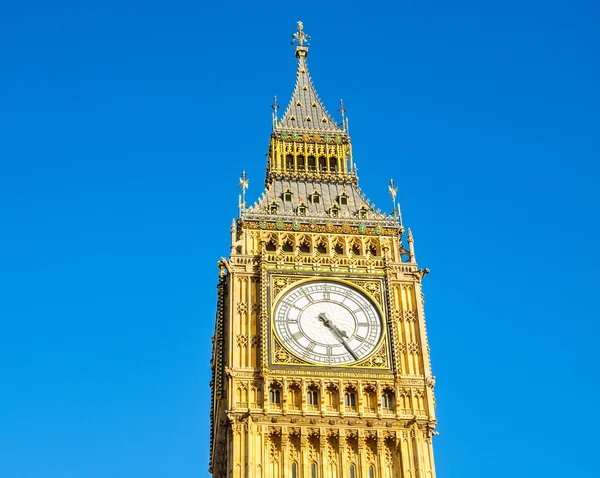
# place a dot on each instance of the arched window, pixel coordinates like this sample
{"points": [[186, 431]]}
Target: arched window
{"points": [[289, 161], [322, 163], [294, 470], [287, 246], [304, 247], [271, 245], [350, 401], [371, 471], [387, 401], [312, 163], [313, 470], [332, 164], [332, 399], [300, 163], [275, 396], [352, 471], [312, 399], [294, 396], [370, 403]]}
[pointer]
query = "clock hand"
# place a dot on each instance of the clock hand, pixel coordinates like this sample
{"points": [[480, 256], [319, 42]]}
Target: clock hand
{"points": [[340, 334]]}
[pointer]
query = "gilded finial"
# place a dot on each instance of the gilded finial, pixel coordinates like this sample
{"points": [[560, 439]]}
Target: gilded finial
{"points": [[302, 39], [300, 36]]}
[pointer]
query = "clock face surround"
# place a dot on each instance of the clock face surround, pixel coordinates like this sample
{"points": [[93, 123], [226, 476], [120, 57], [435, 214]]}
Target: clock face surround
{"points": [[327, 322]]}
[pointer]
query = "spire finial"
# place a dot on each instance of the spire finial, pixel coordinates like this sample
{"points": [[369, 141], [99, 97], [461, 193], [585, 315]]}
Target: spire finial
{"points": [[411, 246], [302, 39], [275, 107], [392, 191], [300, 36], [244, 185], [342, 110]]}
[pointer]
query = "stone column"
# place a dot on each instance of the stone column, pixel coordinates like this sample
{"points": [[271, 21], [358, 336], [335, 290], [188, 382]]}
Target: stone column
{"points": [[285, 453], [304, 467], [324, 462]]}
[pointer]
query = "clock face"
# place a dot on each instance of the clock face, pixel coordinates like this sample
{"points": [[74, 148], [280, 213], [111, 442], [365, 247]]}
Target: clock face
{"points": [[327, 323]]}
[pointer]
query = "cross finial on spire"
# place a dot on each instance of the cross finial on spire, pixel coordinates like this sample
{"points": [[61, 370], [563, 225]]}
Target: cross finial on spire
{"points": [[300, 36]]}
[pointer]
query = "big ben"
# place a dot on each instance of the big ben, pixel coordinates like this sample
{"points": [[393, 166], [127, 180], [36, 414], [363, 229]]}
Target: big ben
{"points": [[320, 359]]}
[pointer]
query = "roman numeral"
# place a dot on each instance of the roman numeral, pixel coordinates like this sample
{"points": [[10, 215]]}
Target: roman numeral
{"points": [[311, 346], [359, 338], [297, 335]]}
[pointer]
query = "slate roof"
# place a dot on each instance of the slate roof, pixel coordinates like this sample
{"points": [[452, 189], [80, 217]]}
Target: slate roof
{"points": [[305, 104], [329, 192]]}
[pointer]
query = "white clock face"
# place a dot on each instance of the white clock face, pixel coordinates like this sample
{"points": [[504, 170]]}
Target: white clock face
{"points": [[327, 323]]}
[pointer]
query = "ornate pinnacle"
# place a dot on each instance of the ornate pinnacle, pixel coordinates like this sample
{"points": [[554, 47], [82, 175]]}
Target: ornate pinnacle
{"points": [[300, 36], [244, 185], [275, 107], [342, 110], [392, 191]]}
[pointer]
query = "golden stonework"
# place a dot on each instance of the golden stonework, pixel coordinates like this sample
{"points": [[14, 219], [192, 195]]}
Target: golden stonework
{"points": [[320, 363]]}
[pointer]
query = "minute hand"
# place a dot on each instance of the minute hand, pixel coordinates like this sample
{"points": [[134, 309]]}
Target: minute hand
{"points": [[340, 334]]}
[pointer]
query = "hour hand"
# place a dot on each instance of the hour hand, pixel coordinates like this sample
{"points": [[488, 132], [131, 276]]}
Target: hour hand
{"points": [[323, 318], [328, 323]]}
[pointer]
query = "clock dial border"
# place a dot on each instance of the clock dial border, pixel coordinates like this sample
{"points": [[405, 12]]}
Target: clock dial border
{"points": [[298, 359]]}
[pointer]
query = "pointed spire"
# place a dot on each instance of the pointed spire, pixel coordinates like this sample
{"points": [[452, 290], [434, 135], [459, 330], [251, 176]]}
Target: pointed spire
{"points": [[305, 112]]}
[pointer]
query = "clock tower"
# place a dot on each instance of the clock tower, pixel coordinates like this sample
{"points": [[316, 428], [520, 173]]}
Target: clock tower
{"points": [[320, 362]]}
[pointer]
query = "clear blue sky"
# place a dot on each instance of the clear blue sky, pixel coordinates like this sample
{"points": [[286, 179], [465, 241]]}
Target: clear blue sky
{"points": [[124, 127]]}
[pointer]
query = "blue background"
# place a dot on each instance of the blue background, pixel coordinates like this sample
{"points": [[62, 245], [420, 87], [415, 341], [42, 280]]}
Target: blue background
{"points": [[124, 127]]}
